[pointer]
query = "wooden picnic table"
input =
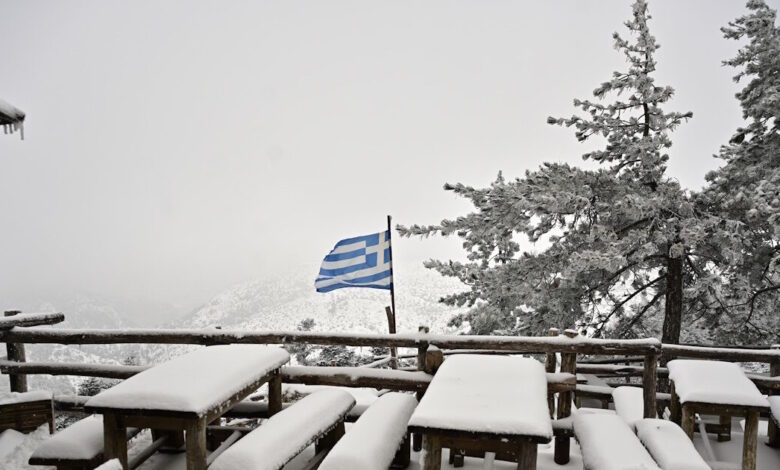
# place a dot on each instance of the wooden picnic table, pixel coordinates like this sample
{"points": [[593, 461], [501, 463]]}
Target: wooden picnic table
{"points": [[485, 404], [717, 388], [185, 394]]}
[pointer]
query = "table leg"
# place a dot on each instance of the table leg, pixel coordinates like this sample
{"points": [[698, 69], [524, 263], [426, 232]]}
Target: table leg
{"points": [[724, 434], [688, 420], [275, 393], [431, 452], [751, 441], [195, 435], [527, 458], [674, 405], [115, 439]]}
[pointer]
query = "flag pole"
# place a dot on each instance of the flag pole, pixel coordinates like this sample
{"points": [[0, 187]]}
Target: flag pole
{"points": [[391, 311]]}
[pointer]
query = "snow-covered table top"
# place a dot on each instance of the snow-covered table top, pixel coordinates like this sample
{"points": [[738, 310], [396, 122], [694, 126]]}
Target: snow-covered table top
{"points": [[722, 383], [193, 383], [498, 395]]}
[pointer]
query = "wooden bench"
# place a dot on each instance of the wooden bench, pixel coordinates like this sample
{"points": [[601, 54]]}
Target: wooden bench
{"points": [[79, 446], [669, 446], [378, 440], [608, 443], [317, 418], [25, 412]]}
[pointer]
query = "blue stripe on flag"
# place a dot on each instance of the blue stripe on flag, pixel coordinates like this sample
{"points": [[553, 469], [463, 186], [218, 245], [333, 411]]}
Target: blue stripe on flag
{"points": [[341, 286], [347, 255]]}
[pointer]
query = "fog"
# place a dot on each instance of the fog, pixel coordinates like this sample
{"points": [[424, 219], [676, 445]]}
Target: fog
{"points": [[175, 148]]}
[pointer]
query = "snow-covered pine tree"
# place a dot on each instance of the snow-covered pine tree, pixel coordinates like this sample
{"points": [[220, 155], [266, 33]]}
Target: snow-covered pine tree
{"points": [[747, 187], [616, 239]]}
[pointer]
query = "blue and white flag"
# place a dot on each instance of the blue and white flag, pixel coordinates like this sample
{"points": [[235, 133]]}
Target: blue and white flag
{"points": [[358, 262]]}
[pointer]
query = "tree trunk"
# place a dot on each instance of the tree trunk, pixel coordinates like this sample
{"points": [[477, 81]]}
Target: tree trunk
{"points": [[674, 298]]}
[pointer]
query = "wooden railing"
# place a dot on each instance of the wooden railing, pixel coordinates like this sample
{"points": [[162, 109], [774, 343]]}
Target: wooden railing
{"points": [[600, 357]]}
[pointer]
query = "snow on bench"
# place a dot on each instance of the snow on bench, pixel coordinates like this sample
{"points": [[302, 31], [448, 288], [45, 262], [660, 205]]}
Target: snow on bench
{"points": [[287, 433], [716, 382], [80, 444], [669, 445], [564, 426], [608, 443], [629, 404], [180, 384], [372, 442]]}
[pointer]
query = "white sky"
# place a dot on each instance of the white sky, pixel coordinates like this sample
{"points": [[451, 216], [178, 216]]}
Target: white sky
{"points": [[174, 148]]}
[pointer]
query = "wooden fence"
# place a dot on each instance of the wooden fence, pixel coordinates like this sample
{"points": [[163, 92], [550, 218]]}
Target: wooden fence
{"points": [[616, 359]]}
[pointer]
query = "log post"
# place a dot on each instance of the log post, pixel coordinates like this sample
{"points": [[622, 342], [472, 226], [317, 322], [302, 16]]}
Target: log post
{"points": [[688, 420], [275, 393], [568, 365], [433, 359], [195, 436], [649, 377], [115, 439], [422, 350], [774, 427], [391, 328], [750, 443], [431, 453], [16, 353], [550, 363]]}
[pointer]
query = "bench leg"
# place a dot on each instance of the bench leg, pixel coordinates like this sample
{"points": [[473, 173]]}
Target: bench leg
{"points": [[688, 420], [403, 455], [724, 434], [195, 435], [115, 439], [431, 453], [751, 441], [774, 433], [674, 406], [562, 450], [330, 439], [527, 458]]}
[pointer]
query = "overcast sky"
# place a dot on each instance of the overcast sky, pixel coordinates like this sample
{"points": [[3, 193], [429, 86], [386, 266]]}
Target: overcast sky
{"points": [[174, 148]]}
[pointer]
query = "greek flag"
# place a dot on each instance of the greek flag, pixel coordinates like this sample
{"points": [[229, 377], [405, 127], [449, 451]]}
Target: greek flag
{"points": [[358, 262]]}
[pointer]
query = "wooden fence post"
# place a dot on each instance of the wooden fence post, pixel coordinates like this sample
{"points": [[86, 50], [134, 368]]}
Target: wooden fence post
{"points": [[16, 353], [774, 429], [649, 378], [550, 363], [568, 365], [433, 359], [422, 350]]}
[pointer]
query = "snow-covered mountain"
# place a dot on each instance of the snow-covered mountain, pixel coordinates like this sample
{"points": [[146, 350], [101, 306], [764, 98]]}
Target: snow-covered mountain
{"points": [[280, 302]]}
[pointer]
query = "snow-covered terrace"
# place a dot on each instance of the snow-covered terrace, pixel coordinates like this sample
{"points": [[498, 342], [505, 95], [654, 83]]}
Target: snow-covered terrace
{"points": [[581, 373]]}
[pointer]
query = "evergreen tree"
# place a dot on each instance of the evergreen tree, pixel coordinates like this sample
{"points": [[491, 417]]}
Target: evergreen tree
{"points": [[616, 239], [747, 188]]}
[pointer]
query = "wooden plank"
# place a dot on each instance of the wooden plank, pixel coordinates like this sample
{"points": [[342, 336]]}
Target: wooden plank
{"points": [[30, 319], [519, 344]]}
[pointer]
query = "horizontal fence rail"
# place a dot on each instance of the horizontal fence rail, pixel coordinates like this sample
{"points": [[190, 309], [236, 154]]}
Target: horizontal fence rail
{"points": [[526, 344]]}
